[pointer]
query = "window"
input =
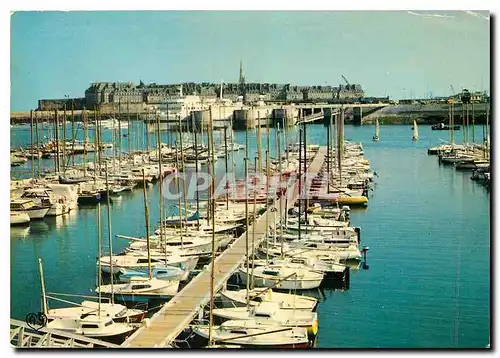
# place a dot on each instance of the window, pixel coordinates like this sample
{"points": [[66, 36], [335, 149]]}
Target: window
{"points": [[109, 323], [140, 287], [265, 315], [90, 326], [240, 331], [270, 272]]}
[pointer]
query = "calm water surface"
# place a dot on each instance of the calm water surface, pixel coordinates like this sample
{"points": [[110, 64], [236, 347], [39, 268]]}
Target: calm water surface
{"points": [[427, 226]]}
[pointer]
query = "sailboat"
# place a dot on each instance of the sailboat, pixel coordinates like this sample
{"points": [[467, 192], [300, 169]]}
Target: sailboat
{"points": [[270, 314], [415, 131], [286, 301], [91, 323], [250, 334], [376, 137]]}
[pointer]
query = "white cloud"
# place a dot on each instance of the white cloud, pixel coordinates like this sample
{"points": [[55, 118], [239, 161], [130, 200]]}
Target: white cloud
{"points": [[475, 14], [429, 15]]}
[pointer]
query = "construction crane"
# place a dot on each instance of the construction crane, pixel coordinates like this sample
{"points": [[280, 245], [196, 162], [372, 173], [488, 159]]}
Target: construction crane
{"points": [[345, 79], [453, 90], [452, 99]]}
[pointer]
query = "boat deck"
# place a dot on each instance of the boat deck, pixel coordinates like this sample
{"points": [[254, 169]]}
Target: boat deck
{"points": [[176, 314]]}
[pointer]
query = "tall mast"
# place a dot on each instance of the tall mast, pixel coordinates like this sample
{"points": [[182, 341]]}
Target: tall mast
{"points": [[259, 145], [306, 203], [253, 227], [246, 215], [146, 214], [128, 129], [110, 237], [42, 284], [225, 161], [183, 172], [64, 139], [56, 132], [279, 186], [212, 271], [300, 176], [195, 130], [178, 187], [31, 146], [100, 147], [267, 185], [37, 146], [96, 145], [473, 125], [160, 183], [85, 143], [73, 132], [99, 281], [328, 151], [119, 134]]}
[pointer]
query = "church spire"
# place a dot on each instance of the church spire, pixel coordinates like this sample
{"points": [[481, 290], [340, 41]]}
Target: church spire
{"points": [[241, 84], [242, 75]]}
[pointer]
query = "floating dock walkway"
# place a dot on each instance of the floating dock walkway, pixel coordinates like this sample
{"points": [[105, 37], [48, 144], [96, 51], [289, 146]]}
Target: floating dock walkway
{"points": [[175, 315]]}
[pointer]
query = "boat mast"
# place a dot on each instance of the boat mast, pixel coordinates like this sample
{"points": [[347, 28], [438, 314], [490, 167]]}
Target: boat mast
{"points": [[225, 161], [160, 180], [300, 176], [183, 173], [129, 144], [267, 186], [212, 271], [177, 179], [246, 217], [253, 227], [195, 130], [280, 188], [259, 145], [42, 283], [64, 139], [110, 239], [96, 145], [85, 143], [146, 214], [31, 146], [73, 132], [340, 144], [119, 134], [328, 144], [99, 139], [99, 282], [306, 203], [56, 135], [473, 126], [37, 146]]}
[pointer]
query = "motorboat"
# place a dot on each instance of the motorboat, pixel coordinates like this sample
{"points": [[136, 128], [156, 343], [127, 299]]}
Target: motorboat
{"points": [[18, 218], [28, 206]]}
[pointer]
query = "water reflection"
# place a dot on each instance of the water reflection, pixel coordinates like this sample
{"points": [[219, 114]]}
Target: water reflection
{"points": [[39, 227], [18, 232]]}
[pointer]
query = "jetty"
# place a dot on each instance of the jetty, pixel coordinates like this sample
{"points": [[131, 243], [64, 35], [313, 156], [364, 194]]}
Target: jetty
{"points": [[175, 315]]}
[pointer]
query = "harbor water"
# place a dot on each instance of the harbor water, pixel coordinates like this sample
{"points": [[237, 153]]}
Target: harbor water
{"points": [[427, 227]]}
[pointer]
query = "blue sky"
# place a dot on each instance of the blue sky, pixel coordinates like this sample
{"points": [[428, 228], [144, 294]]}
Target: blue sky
{"points": [[395, 53]]}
